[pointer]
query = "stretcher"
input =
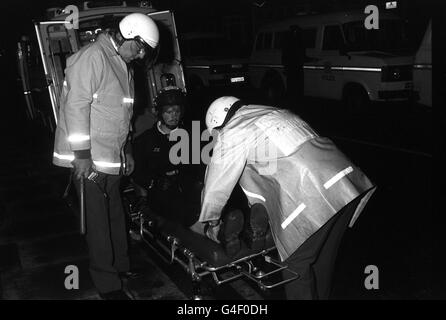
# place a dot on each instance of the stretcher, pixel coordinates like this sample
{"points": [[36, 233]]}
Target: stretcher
{"points": [[203, 258]]}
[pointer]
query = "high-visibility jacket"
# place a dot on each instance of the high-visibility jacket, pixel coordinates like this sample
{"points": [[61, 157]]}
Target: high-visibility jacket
{"points": [[281, 162], [96, 107]]}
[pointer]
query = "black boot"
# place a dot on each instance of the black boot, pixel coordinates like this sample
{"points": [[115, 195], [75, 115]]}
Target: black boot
{"points": [[255, 231], [229, 233]]}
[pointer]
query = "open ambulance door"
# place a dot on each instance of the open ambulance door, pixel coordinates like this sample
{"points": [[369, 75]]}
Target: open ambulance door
{"points": [[167, 70], [24, 61], [56, 43]]}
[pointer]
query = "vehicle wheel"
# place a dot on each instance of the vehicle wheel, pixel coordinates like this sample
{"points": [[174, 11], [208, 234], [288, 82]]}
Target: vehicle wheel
{"points": [[356, 100], [273, 90]]}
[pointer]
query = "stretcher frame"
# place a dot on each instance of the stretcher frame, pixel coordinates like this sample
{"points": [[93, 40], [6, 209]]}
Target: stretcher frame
{"points": [[171, 249]]}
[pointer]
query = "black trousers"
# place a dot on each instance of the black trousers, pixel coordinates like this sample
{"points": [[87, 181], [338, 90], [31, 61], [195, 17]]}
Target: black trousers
{"points": [[106, 231], [315, 259]]}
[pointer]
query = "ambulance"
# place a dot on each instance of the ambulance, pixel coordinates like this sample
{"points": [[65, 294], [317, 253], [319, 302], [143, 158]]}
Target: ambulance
{"points": [[42, 68], [344, 60]]}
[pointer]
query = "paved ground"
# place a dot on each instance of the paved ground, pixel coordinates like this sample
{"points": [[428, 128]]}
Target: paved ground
{"points": [[39, 238]]}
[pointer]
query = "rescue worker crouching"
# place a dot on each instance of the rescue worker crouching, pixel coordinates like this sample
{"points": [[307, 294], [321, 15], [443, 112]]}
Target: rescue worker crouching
{"points": [[92, 134], [161, 180], [310, 190]]}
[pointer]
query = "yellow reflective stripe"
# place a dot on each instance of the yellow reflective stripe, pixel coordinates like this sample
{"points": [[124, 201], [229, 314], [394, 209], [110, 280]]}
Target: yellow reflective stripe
{"points": [[78, 138], [65, 83], [253, 195], [338, 177], [107, 164], [104, 164], [124, 100], [68, 157], [293, 215]]}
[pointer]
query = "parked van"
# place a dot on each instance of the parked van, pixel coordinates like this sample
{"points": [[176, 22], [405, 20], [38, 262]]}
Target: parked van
{"points": [[422, 69], [344, 59], [211, 60]]}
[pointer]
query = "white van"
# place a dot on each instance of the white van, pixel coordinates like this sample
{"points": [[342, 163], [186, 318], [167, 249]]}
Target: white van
{"points": [[345, 60], [422, 69], [211, 60]]}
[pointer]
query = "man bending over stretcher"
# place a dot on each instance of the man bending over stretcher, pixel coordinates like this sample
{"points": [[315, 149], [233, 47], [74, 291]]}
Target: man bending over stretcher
{"points": [[310, 190]]}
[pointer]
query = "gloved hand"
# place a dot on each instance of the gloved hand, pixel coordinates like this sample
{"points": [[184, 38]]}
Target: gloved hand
{"points": [[82, 167], [212, 229], [198, 227]]}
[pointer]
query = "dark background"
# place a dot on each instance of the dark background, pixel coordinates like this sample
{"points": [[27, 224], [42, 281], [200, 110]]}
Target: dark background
{"points": [[192, 15]]}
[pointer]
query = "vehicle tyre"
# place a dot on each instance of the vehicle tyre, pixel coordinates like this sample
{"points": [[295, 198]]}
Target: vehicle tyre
{"points": [[356, 100]]}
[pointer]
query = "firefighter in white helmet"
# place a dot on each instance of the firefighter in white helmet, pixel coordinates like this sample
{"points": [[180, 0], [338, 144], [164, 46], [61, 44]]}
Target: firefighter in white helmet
{"points": [[91, 137], [309, 190]]}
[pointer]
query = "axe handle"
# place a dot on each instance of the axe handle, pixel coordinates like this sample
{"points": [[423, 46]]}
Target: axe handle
{"points": [[82, 205]]}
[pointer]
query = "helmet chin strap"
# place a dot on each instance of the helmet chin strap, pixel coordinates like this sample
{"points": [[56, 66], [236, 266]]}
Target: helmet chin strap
{"points": [[120, 40], [116, 43], [237, 105]]}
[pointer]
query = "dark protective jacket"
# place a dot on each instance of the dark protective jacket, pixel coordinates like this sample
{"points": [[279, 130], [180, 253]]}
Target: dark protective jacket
{"points": [[281, 162], [151, 153]]}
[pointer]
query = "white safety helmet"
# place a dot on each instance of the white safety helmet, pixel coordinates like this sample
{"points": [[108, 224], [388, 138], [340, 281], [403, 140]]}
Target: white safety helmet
{"points": [[217, 111], [138, 26]]}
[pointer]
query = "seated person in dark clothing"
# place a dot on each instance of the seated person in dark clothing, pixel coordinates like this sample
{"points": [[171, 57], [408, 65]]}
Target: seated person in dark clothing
{"points": [[154, 171]]}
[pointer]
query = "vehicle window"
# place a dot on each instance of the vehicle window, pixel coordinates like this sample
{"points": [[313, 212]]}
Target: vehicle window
{"points": [[279, 38], [391, 36], [212, 47], [90, 29], [259, 42], [268, 41], [333, 39], [310, 37]]}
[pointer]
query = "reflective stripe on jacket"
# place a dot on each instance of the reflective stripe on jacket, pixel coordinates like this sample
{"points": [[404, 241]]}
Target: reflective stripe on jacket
{"points": [[96, 107], [302, 179]]}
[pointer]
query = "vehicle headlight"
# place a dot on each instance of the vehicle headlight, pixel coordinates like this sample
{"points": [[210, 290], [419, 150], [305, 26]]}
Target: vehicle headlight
{"points": [[396, 73], [216, 69]]}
